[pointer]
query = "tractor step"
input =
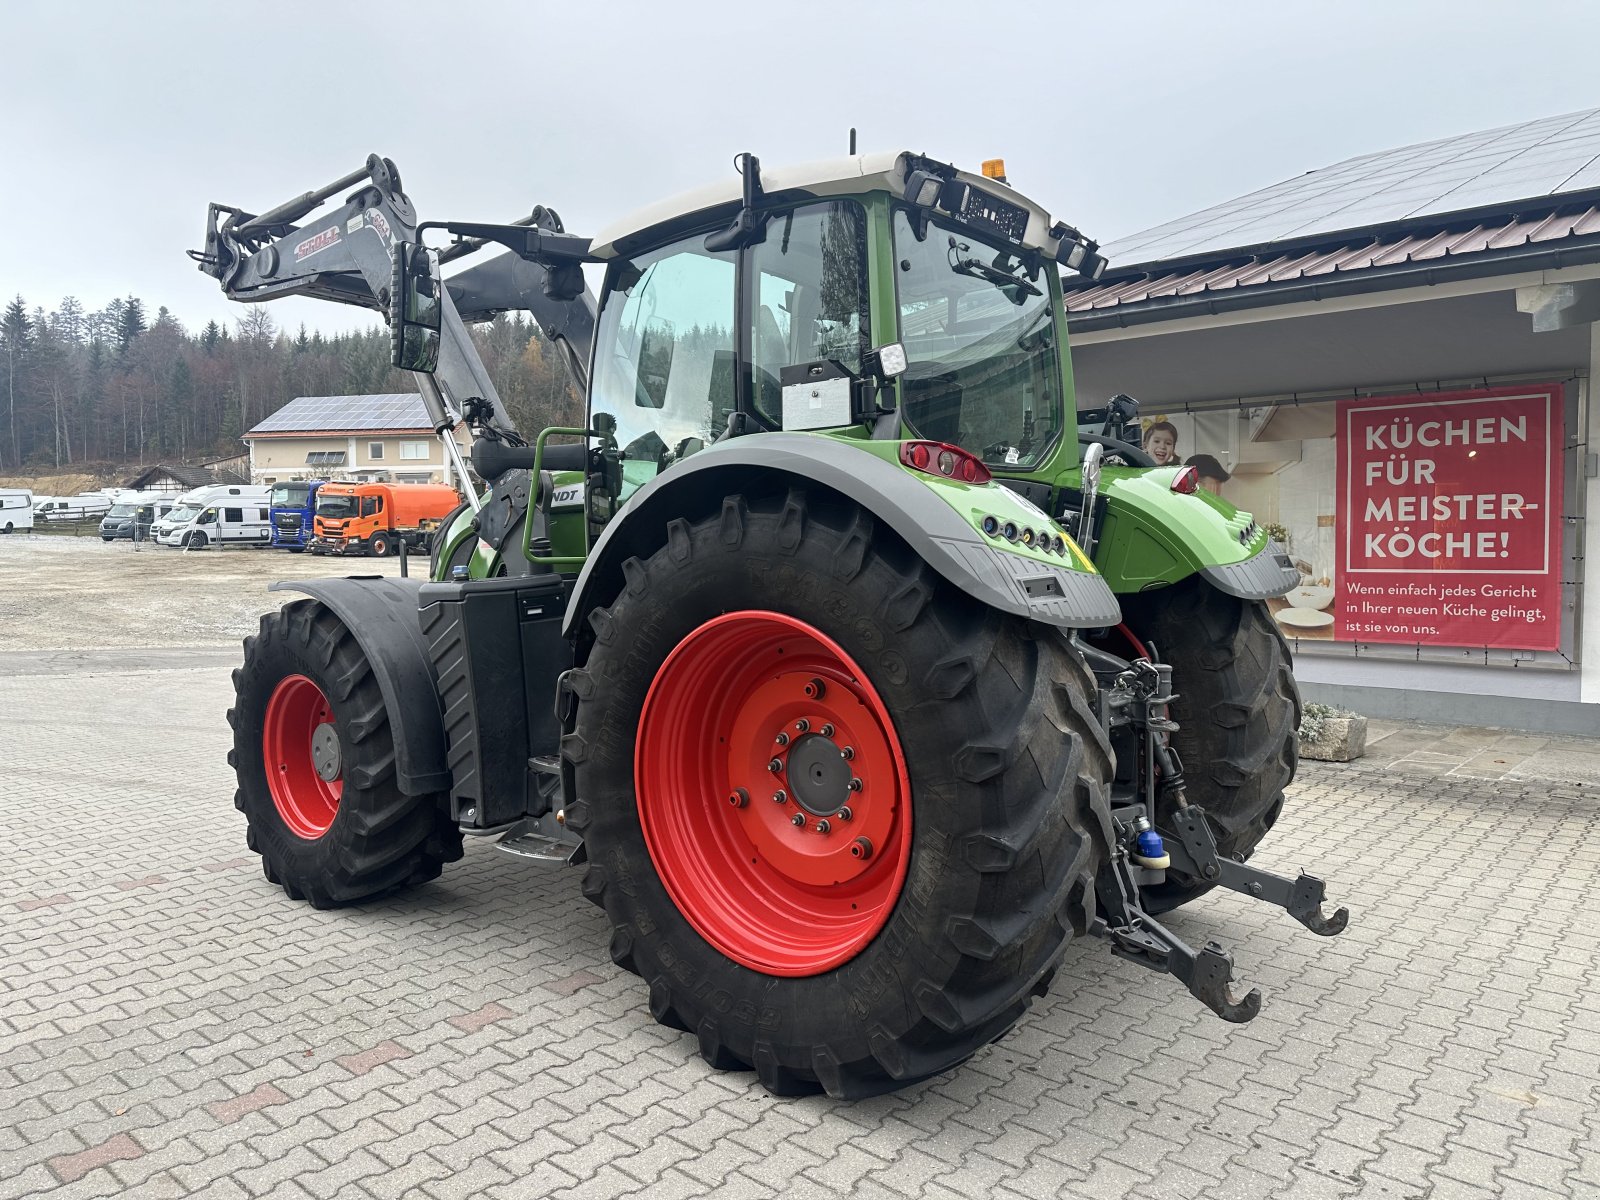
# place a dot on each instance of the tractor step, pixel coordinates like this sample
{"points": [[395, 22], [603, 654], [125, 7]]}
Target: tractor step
{"points": [[540, 848]]}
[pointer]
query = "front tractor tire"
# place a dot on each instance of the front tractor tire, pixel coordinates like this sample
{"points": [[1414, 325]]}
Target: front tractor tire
{"points": [[314, 755], [1237, 709], [843, 819]]}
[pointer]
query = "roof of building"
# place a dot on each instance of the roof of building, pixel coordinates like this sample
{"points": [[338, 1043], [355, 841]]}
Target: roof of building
{"points": [[188, 476], [1483, 203], [305, 415], [1546, 157]]}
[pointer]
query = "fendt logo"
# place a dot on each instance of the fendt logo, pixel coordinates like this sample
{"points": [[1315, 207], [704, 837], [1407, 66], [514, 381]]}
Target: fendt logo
{"points": [[321, 241]]}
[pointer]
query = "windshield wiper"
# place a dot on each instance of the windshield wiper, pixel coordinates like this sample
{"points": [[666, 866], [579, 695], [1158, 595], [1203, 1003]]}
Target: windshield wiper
{"points": [[978, 269]]}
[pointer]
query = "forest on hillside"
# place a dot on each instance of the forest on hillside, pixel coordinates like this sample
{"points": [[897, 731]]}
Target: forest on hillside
{"points": [[120, 385]]}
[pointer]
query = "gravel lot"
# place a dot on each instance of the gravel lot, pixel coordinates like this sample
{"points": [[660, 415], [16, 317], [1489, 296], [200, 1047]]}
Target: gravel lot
{"points": [[62, 592]]}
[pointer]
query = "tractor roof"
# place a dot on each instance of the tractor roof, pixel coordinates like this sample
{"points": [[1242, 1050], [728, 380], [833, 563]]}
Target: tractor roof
{"points": [[884, 171]]}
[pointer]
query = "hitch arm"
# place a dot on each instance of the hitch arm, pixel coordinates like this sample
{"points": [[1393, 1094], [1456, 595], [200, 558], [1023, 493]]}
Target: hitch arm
{"points": [[1194, 852], [1137, 936]]}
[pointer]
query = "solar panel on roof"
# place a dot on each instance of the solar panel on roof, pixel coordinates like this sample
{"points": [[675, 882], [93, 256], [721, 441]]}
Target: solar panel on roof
{"points": [[388, 411], [1548, 156]]}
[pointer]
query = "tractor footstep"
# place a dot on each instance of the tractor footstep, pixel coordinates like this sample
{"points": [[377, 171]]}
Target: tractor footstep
{"points": [[539, 848]]}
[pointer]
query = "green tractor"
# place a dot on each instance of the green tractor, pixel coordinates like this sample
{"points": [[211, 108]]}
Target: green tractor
{"points": [[859, 678]]}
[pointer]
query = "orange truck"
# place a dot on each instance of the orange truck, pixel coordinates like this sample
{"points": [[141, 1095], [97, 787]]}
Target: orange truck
{"points": [[374, 518]]}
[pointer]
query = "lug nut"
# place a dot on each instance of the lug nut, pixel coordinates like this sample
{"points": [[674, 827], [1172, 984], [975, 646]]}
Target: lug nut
{"points": [[849, 752], [782, 739], [780, 797], [844, 814], [802, 725], [775, 765], [797, 820], [826, 731], [823, 826], [815, 689], [855, 784], [861, 848], [739, 797]]}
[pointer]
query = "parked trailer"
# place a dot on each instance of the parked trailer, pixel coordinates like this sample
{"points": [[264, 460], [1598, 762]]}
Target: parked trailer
{"points": [[374, 518], [16, 509]]}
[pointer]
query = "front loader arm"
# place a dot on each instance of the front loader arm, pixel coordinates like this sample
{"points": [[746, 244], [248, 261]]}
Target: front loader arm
{"points": [[346, 255]]}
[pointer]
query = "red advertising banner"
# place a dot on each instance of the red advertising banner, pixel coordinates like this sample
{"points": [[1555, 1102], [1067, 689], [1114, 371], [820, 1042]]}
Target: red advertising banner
{"points": [[1449, 518]]}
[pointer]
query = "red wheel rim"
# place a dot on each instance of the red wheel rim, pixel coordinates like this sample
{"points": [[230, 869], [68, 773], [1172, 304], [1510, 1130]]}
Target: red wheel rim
{"points": [[735, 717], [290, 746]]}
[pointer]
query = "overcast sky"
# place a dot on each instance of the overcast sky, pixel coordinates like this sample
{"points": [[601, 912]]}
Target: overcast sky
{"points": [[122, 121]]}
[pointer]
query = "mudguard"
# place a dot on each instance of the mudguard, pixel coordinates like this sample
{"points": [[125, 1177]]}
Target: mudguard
{"points": [[1024, 586], [1151, 537], [382, 615]]}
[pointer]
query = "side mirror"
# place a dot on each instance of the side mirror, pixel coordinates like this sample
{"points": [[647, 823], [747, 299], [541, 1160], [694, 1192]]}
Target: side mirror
{"points": [[415, 312]]}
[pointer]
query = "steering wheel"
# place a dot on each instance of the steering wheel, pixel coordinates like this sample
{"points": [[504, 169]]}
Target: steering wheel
{"points": [[1126, 451]]}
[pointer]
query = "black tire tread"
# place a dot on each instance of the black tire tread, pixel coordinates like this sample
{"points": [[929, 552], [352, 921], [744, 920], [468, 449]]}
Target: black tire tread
{"points": [[1238, 710], [382, 839], [1035, 760]]}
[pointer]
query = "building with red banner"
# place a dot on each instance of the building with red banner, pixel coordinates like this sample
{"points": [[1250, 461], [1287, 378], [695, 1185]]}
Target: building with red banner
{"points": [[1389, 361]]}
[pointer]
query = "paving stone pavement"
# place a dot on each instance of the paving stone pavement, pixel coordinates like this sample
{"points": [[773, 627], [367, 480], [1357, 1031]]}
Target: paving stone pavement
{"points": [[171, 1025]]}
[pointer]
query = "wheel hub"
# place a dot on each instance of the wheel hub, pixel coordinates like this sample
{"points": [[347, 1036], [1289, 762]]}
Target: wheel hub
{"points": [[818, 775], [325, 752]]}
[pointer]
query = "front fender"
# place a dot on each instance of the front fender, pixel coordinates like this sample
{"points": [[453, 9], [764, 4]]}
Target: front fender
{"points": [[381, 615], [1024, 585], [1151, 536]]}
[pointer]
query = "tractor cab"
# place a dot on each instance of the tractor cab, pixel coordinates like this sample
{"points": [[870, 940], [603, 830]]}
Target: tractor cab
{"points": [[878, 296]]}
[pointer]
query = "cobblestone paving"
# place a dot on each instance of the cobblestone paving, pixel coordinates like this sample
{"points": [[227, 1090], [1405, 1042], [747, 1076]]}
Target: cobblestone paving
{"points": [[171, 1025]]}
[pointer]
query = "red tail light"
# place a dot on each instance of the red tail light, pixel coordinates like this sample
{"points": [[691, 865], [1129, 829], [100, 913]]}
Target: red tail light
{"points": [[945, 461], [1186, 481]]}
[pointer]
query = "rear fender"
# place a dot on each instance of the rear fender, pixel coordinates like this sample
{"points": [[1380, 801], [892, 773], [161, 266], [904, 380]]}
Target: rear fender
{"points": [[930, 525], [381, 614]]}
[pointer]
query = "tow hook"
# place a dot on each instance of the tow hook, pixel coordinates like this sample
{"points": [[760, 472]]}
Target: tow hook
{"points": [[1141, 856]]}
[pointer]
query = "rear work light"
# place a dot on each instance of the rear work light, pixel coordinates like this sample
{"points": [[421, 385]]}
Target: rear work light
{"points": [[1186, 481], [945, 461]]}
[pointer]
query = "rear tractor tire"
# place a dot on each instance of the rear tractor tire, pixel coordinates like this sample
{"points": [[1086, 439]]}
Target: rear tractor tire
{"points": [[314, 756], [1237, 710], [844, 820]]}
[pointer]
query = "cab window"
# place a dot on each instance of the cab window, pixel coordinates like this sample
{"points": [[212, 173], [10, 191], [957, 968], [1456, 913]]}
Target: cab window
{"points": [[371, 506], [810, 296], [209, 517], [665, 355]]}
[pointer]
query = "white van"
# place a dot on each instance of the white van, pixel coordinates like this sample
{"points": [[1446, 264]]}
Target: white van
{"points": [[84, 507], [16, 509], [132, 515], [222, 515]]}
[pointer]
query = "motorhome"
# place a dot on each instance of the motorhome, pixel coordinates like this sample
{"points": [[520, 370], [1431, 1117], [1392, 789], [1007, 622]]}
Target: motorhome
{"points": [[16, 509], [133, 514], [222, 515], [88, 506]]}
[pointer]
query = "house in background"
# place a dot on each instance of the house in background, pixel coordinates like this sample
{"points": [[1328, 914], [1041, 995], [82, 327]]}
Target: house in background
{"points": [[176, 477], [1268, 333], [385, 438]]}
